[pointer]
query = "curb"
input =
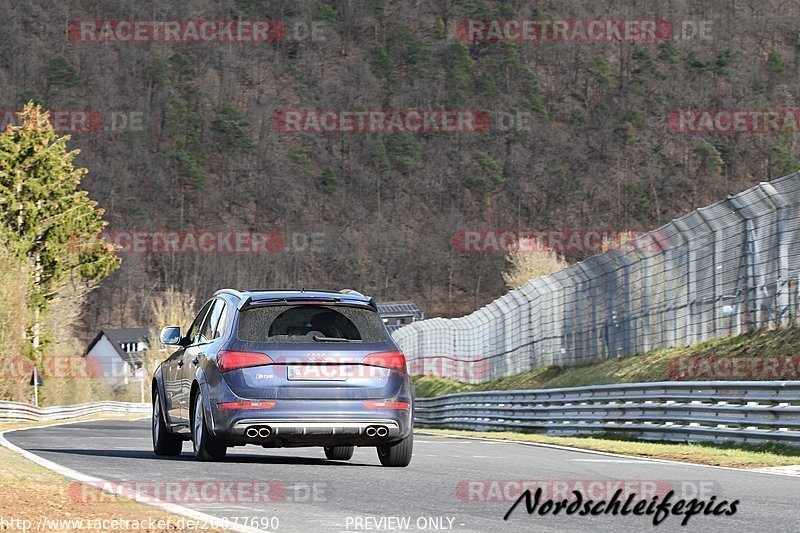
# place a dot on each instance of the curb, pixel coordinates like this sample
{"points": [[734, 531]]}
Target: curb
{"points": [[109, 487]]}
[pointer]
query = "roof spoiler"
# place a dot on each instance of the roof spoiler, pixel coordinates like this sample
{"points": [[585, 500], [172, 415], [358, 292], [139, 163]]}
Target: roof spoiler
{"points": [[248, 302], [246, 298]]}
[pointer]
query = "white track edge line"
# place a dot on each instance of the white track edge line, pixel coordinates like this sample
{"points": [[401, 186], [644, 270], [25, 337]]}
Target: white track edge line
{"points": [[88, 480], [610, 454]]}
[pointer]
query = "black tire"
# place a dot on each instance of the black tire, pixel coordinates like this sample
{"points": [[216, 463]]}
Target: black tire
{"points": [[397, 454], [206, 446], [164, 442], [339, 453]]}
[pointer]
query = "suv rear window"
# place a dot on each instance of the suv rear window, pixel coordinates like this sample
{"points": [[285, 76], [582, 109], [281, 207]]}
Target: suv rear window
{"points": [[310, 323]]}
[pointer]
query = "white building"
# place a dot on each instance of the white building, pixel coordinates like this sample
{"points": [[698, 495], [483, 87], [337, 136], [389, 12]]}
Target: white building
{"points": [[117, 353]]}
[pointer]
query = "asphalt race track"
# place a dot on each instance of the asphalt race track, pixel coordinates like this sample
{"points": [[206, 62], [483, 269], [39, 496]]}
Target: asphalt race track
{"points": [[444, 489]]}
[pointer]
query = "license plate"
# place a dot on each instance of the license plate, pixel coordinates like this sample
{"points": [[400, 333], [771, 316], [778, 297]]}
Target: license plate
{"points": [[317, 372]]}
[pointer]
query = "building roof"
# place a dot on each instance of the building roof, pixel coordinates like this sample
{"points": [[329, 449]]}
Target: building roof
{"points": [[400, 308], [118, 336]]}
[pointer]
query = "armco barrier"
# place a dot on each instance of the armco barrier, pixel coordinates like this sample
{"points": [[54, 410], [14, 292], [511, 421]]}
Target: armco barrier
{"points": [[737, 411], [17, 411]]}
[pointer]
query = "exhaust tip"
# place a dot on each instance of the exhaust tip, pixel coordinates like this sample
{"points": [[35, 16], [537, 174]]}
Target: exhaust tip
{"points": [[264, 433], [370, 431], [382, 431], [251, 432]]}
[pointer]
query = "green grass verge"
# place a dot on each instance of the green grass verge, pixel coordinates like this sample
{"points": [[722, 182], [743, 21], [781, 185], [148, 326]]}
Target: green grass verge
{"points": [[731, 455], [651, 366]]}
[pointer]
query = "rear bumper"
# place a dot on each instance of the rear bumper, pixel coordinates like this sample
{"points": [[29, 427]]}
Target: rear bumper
{"points": [[309, 422], [313, 423]]}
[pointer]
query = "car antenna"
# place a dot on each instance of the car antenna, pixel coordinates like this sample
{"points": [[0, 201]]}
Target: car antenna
{"points": [[303, 289]]}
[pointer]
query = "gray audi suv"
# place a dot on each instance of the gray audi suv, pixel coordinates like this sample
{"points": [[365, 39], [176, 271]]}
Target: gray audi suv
{"points": [[281, 368]]}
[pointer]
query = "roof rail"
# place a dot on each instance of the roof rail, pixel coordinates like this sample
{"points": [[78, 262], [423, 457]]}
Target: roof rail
{"points": [[234, 292]]}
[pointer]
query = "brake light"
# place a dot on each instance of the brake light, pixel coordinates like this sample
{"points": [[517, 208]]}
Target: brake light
{"points": [[386, 405], [247, 405], [394, 360], [228, 360]]}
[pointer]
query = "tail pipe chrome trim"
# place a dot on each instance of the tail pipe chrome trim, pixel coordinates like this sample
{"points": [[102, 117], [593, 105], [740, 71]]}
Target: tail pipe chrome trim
{"points": [[281, 428], [254, 432]]}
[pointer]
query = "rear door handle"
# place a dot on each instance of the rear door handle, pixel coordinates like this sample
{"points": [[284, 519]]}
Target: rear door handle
{"points": [[180, 363], [195, 361]]}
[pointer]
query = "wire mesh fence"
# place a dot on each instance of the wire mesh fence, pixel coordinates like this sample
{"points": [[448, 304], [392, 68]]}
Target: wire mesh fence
{"points": [[722, 270]]}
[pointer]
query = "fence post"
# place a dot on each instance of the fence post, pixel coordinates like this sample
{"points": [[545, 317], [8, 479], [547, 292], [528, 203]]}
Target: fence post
{"points": [[554, 334], [584, 328], [749, 258], [716, 308], [691, 278], [782, 283], [537, 327]]}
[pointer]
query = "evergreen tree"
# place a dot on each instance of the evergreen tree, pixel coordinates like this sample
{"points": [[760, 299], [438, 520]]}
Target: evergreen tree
{"points": [[44, 214]]}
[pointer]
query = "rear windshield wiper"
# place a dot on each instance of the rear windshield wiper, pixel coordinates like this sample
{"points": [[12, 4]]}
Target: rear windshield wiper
{"points": [[320, 338]]}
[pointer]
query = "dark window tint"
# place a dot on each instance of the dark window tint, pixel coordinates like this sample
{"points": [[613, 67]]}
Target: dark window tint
{"points": [[210, 325], [310, 323], [220, 327], [194, 329]]}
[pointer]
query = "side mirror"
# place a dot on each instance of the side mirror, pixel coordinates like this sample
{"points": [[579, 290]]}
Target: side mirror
{"points": [[171, 336]]}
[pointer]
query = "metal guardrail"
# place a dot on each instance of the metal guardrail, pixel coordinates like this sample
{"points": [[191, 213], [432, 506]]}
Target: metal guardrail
{"points": [[720, 411], [17, 411]]}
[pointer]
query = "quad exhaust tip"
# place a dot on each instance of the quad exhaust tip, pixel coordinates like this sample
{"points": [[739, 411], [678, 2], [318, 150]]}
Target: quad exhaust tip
{"points": [[254, 432], [376, 431]]}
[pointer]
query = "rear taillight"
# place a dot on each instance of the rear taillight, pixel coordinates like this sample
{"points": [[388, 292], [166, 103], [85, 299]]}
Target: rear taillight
{"points": [[394, 360], [228, 360], [386, 405], [247, 405]]}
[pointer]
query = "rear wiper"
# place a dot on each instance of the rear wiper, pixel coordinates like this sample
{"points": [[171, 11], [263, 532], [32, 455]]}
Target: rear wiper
{"points": [[320, 338]]}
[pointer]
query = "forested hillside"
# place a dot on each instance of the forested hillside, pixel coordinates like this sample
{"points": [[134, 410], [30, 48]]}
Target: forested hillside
{"points": [[590, 147]]}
